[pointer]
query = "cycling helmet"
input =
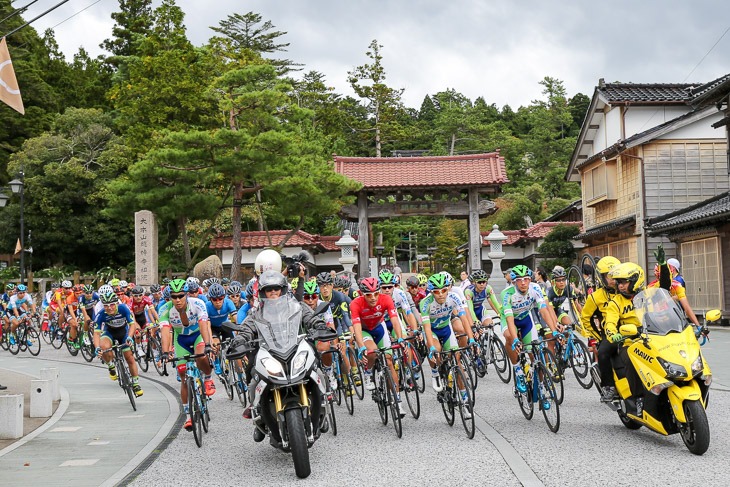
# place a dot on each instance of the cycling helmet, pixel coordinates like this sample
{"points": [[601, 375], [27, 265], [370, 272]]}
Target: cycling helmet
{"points": [[369, 285], [216, 291], [448, 277], [123, 284], [105, 288], [233, 290], [558, 271], [138, 291], [412, 281], [235, 283], [422, 279], [386, 277], [21, 288], [213, 280], [249, 290], [166, 281], [267, 260], [109, 298], [192, 279], [478, 275], [114, 282], [311, 287], [78, 288], [155, 288], [630, 272], [193, 287], [438, 281], [118, 290], [177, 286], [166, 293], [520, 271], [10, 286], [66, 284], [55, 285], [226, 282], [396, 279], [88, 289], [206, 283], [131, 286], [270, 280], [325, 278]]}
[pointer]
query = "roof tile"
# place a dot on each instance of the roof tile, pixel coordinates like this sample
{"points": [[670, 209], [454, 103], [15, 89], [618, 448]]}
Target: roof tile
{"points": [[396, 172], [646, 92], [535, 232], [259, 240]]}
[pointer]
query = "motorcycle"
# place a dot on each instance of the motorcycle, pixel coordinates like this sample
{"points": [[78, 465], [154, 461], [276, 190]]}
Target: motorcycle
{"points": [[287, 383], [661, 376]]}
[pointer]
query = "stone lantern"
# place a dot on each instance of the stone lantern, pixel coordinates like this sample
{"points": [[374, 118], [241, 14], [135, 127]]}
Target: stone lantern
{"points": [[495, 254], [348, 259]]}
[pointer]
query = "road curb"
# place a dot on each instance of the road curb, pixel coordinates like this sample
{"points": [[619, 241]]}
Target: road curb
{"points": [[60, 411]]}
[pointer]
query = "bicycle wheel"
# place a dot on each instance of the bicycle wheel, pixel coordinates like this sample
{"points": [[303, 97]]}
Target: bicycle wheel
{"points": [[22, 334], [70, 345], [417, 368], [240, 384], [331, 414], [464, 403], [410, 387], [227, 377], [4, 343], [548, 398], [33, 341], [500, 360], [556, 374], [126, 381], [467, 363], [393, 402], [87, 351], [357, 375], [525, 400], [14, 348], [143, 361], [57, 335], [447, 399], [204, 411], [382, 396], [581, 364], [345, 385], [194, 411]]}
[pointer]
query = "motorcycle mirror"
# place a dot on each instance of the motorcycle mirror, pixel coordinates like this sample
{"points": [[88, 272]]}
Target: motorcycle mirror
{"points": [[321, 308], [713, 315], [229, 326], [628, 330]]}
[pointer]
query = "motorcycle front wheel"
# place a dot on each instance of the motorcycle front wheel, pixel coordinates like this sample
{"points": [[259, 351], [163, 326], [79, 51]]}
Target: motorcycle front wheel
{"points": [[298, 443], [696, 430]]}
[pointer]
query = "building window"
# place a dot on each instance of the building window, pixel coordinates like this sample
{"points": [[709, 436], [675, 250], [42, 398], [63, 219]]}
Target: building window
{"points": [[701, 272], [599, 183]]}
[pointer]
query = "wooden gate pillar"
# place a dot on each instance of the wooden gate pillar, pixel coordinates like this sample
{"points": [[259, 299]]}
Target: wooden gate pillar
{"points": [[363, 237], [475, 238]]}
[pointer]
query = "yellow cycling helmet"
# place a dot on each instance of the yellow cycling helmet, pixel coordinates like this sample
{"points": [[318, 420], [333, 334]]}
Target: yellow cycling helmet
{"points": [[422, 279], [634, 274]]}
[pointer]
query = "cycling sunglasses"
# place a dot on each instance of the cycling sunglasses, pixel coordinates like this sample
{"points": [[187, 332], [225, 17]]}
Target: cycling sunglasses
{"points": [[309, 297], [177, 296], [480, 282], [372, 295], [387, 287], [218, 299], [440, 291]]}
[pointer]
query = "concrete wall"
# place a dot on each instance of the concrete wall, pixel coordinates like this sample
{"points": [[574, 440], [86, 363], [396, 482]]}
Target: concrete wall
{"points": [[639, 119]]}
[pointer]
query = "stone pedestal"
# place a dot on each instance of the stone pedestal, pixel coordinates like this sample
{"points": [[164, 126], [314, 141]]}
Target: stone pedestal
{"points": [[41, 398], [54, 375], [145, 248], [11, 416]]}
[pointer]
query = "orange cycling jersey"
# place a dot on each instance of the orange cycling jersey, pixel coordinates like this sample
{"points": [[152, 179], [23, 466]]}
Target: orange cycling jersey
{"points": [[63, 299], [676, 290]]}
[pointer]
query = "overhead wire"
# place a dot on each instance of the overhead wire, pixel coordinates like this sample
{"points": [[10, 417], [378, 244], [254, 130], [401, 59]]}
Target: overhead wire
{"points": [[20, 10]]}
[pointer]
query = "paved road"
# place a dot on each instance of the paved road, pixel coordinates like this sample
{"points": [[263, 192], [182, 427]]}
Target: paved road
{"points": [[507, 449], [99, 433]]}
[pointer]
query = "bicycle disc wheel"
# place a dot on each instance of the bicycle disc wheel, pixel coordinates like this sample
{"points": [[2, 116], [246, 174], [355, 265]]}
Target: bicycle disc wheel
{"points": [[500, 360], [547, 398], [33, 341], [357, 376], [466, 406], [410, 387], [382, 395], [580, 362], [556, 373], [393, 402]]}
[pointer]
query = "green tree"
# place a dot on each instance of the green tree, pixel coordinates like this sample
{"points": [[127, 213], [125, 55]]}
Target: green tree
{"points": [[450, 235], [557, 247], [383, 102], [133, 22], [66, 172], [520, 209]]}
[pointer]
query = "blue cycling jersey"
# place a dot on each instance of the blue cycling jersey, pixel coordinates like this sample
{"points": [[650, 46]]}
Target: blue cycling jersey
{"points": [[218, 316], [242, 312], [123, 317]]}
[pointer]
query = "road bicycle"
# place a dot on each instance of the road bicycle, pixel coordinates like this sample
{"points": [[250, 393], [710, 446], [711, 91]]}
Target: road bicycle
{"points": [[26, 337], [197, 398], [492, 352], [124, 378], [451, 398], [539, 388], [385, 393]]}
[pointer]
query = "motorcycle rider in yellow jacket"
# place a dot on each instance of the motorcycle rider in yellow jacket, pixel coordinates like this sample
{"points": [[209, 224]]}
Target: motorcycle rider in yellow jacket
{"points": [[592, 318]]}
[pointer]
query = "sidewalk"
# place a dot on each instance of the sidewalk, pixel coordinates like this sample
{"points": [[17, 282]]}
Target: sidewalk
{"points": [[18, 383], [99, 439]]}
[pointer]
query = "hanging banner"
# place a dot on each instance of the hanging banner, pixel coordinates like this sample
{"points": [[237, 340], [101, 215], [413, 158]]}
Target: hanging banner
{"points": [[9, 91]]}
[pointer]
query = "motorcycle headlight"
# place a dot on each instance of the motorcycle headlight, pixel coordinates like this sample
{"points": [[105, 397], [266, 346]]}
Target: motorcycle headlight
{"points": [[273, 367], [697, 366], [673, 370], [297, 365]]}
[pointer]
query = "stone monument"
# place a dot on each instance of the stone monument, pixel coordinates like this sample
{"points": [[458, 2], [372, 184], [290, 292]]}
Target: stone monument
{"points": [[145, 248], [496, 278]]}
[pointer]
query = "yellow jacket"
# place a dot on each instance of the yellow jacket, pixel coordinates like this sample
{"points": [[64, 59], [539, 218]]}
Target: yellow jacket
{"points": [[620, 310], [595, 306]]}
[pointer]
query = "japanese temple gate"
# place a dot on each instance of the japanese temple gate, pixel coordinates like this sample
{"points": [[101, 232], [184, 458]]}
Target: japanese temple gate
{"points": [[448, 186]]}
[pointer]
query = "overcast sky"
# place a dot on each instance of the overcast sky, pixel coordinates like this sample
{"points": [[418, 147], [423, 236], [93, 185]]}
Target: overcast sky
{"points": [[496, 49]]}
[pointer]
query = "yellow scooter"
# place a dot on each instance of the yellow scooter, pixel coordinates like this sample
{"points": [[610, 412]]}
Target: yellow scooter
{"points": [[661, 377]]}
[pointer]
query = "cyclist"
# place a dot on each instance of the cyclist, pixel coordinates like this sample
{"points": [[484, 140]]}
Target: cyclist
{"points": [[195, 292], [477, 293], [65, 304], [559, 295], [415, 290], [20, 303], [87, 301], [45, 305], [387, 286], [187, 317], [311, 298], [219, 309], [233, 292], [5, 304], [114, 325], [247, 305], [339, 306], [156, 295], [367, 312], [679, 294], [518, 303], [144, 315], [437, 311], [121, 293]]}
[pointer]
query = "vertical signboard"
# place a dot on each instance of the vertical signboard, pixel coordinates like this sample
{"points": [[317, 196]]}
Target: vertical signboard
{"points": [[145, 248]]}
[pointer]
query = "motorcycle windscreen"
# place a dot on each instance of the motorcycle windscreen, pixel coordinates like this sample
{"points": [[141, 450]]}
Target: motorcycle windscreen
{"points": [[658, 312], [281, 323]]}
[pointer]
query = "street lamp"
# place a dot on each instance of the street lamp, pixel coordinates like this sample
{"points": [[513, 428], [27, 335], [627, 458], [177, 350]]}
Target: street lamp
{"points": [[16, 186]]}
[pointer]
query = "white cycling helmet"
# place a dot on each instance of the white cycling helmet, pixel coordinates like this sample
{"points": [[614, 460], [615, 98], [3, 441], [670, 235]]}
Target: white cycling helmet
{"points": [[106, 288], [66, 284], [268, 260], [193, 279], [448, 276], [123, 284]]}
